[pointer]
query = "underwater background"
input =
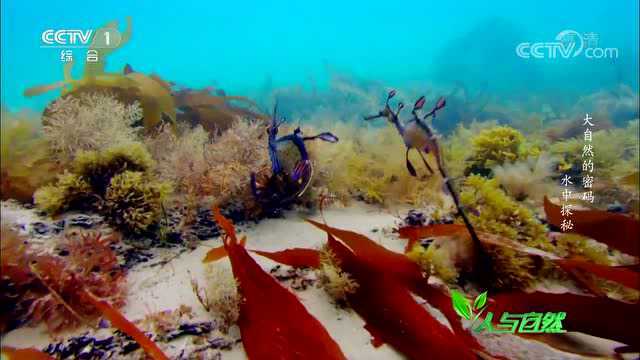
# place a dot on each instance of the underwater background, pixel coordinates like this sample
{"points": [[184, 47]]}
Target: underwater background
{"points": [[252, 47]]}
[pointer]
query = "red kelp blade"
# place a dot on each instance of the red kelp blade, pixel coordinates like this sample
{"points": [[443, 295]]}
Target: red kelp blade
{"points": [[393, 316], [415, 233], [376, 256], [439, 299], [598, 316], [273, 322], [118, 320], [296, 257], [621, 275], [215, 254], [24, 354], [616, 230]]}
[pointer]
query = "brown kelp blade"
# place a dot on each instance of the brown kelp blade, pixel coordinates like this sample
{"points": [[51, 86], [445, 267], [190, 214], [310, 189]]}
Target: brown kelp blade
{"points": [[273, 322], [37, 90], [616, 230], [593, 315]]}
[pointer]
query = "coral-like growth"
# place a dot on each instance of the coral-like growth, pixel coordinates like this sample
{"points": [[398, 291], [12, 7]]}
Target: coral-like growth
{"points": [[43, 287], [89, 121], [232, 157], [336, 282], [222, 296], [116, 182], [219, 170], [25, 164], [526, 179]]}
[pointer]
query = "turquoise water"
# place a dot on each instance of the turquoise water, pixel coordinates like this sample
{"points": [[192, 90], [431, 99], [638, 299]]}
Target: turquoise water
{"points": [[241, 46]]}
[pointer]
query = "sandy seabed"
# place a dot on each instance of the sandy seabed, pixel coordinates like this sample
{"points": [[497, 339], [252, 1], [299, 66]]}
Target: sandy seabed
{"points": [[168, 286]]}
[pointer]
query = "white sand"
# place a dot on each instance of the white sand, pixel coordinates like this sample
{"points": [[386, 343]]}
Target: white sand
{"points": [[166, 287]]}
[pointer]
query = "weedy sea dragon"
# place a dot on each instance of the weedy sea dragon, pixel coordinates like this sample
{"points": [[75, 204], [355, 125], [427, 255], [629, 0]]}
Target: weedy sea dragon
{"points": [[417, 134], [283, 187]]}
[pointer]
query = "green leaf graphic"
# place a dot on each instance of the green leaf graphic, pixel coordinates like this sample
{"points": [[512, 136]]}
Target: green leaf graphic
{"points": [[461, 304], [480, 301]]}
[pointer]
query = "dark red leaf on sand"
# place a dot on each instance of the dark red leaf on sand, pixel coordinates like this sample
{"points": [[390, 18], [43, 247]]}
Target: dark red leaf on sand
{"points": [[392, 314], [273, 322], [376, 256], [616, 230], [296, 257]]}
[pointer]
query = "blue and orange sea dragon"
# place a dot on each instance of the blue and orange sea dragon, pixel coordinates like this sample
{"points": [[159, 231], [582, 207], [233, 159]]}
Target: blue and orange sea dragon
{"points": [[296, 182]]}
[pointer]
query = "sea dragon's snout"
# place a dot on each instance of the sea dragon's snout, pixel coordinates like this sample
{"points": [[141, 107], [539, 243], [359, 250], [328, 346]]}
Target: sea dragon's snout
{"points": [[373, 117]]}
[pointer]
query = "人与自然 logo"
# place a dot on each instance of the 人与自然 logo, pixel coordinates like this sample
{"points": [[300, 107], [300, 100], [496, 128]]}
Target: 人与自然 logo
{"points": [[531, 322], [567, 44]]}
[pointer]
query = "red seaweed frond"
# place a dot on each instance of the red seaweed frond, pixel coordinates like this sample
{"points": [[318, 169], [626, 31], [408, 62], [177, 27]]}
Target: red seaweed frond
{"points": [[18, 286], [44, 287], [296, 257], [227, 227], [616, 230], [24, 354], [118, 320]]}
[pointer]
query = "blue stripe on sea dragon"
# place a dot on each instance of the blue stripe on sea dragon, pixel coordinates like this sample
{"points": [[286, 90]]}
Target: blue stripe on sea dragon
{"points": [[303, 170], [416, 133]]}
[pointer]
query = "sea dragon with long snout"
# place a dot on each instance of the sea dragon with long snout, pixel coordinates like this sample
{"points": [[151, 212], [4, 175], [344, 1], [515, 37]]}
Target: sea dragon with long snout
{"points": [[415, 133], [282, 186]]}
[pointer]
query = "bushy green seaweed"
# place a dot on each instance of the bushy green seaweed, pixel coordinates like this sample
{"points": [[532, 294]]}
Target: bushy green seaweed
{"points": [[497, 146], [491, 210], [118, 183], [134, 203]]}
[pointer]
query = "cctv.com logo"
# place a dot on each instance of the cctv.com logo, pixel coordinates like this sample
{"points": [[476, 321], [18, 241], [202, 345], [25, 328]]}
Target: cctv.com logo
{"points": [[568, 44]]}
